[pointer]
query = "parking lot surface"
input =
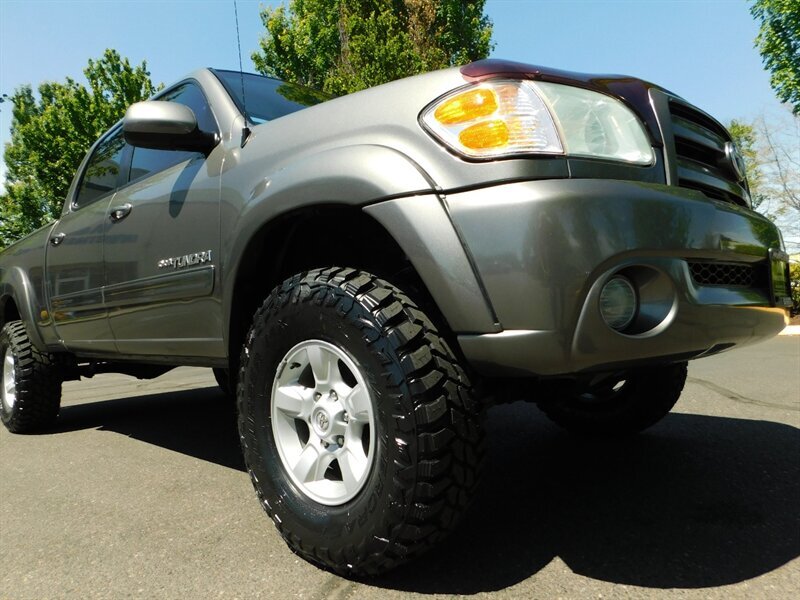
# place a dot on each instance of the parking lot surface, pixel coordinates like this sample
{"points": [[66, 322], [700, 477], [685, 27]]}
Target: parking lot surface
{"points": [[140, 492]]}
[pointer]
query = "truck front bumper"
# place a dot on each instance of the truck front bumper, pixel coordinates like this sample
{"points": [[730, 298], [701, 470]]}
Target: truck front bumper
{"points": [[543, 251]]}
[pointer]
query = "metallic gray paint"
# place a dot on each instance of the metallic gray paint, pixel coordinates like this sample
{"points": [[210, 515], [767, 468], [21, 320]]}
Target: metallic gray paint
{"points": [[174, 211], [24, 285], [157, 117], [543, 248], [422, 228], [354, 175], [160, 288], [526, 257], [75, 279], [166, 126]]}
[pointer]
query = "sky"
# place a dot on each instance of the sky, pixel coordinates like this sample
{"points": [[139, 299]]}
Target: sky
{"points": [[700, 49]]}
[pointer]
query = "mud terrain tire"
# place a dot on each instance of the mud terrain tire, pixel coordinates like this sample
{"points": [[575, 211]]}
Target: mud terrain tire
{"points": [[30, 392], [621, 405], [424, 439]]}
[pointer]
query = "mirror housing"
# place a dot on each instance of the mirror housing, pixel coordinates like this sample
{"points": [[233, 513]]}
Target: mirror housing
{"points": [[165, 126]]}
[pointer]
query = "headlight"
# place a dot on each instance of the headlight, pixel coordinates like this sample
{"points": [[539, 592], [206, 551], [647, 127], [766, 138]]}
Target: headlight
{"points": [[504, 118], [494, 119], [593, 124]]}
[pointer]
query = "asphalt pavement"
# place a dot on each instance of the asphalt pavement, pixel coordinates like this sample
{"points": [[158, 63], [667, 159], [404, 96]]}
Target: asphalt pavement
{"points": [[140, 492]]}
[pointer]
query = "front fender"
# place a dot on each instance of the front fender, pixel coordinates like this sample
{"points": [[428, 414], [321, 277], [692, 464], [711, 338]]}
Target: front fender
{"points": [[355, 175]]}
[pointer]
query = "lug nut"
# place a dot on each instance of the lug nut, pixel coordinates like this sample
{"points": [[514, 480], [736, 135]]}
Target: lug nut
{"points": [[340, 440], [345, 417], [317, 395], [324, 444], [334, 396]]}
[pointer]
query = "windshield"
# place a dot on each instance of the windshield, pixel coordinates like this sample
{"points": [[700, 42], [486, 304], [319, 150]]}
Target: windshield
{"points": [[265, 98]]}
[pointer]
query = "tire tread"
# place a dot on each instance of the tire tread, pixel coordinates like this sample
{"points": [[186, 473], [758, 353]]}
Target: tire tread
{"points": [[436, 484], [652, 395], [38, 383]]}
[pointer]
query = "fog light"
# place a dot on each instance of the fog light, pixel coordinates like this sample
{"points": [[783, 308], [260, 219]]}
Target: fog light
{"points": [[618, 302]]}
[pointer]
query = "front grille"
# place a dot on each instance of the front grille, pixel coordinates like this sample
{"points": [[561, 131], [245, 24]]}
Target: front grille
{"points": [[699, 155], [729, 274]]}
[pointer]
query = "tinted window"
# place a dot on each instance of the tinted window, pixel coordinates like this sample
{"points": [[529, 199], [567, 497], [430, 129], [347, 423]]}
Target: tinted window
{"points": [[190, 95], [146, 160], [102, 171], [266, 98]]}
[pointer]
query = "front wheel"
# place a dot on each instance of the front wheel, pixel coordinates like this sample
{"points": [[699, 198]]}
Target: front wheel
{"points": [[621, 403], [358, 426], [30, 394]]}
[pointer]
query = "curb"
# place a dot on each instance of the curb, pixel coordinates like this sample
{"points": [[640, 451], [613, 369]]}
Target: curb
{"points": [[791, 330]]}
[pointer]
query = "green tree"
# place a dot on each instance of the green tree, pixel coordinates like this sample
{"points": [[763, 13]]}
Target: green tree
{"points": [[772, 156], [341, 46], [779, 151], [778, 41], [745, 137], [51, 134]]}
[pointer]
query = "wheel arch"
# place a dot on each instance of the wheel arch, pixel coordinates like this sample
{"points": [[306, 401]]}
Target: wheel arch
{"points": [[312, 237], [8, 310], [16, 303]]}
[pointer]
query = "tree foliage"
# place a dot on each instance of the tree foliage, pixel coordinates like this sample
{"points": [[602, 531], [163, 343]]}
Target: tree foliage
{"points": [[772, 155], [341, 46], [745, 137], [51, 134], [778, 42], [780, 168]]}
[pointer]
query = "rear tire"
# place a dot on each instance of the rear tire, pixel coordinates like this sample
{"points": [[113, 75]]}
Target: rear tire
{"points": [[620, 405], [358, 426], [30, 391]]}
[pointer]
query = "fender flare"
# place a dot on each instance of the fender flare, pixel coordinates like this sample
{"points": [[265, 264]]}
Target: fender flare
{"points": [[354, 176], [17, 287]]}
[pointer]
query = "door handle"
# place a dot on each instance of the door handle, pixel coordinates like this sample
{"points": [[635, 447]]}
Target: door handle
{"points": [[120, 212], [56, 239]]}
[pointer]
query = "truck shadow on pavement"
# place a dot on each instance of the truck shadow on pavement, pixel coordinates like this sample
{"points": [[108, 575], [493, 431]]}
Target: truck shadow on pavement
{"points": [[695, 502], [198, 422]]}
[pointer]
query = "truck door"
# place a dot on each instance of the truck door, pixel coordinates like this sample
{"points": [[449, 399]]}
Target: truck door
{"points": [[162, 245], [74, 264]]}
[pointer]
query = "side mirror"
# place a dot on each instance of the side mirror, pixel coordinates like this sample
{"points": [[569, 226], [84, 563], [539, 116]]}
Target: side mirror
{"points": [[165, 126]]}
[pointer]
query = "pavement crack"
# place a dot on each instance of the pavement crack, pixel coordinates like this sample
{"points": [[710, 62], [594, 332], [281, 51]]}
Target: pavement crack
{"points": [[731, 395]]}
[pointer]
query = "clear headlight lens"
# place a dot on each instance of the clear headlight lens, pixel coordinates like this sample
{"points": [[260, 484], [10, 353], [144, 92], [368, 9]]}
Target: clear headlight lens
{"points": [[503, 118], [597, 125]]}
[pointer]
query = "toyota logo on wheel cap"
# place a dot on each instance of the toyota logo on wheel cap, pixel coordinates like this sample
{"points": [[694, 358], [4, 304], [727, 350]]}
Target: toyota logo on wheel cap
{"points": [[322, 421]]}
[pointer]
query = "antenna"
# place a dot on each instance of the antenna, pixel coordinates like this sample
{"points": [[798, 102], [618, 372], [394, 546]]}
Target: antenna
{"points": [[246, 129]]}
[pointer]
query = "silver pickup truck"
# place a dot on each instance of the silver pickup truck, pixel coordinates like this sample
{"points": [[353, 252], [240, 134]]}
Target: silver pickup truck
{"points": [[363, 272]]}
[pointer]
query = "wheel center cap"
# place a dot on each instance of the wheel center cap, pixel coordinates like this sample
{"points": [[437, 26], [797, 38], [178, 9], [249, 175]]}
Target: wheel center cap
{"points": [[321, 421]]}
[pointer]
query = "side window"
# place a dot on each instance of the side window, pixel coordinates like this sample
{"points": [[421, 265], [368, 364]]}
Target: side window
{"points": [[102, 171], [146, 160]]}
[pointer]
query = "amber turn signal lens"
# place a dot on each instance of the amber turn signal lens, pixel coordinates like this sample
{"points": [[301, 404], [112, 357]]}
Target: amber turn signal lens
{"points": [[467, 106], [493, 119], [488, 134]]}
